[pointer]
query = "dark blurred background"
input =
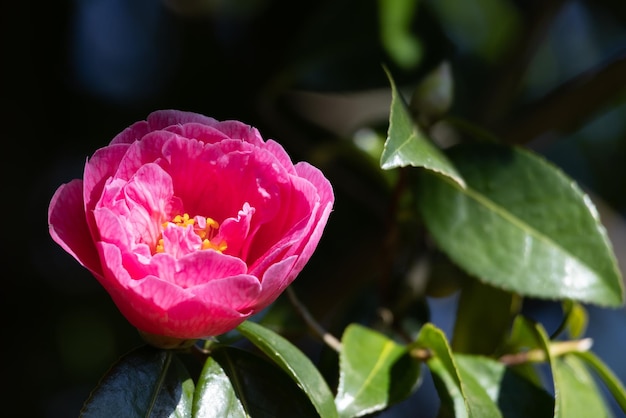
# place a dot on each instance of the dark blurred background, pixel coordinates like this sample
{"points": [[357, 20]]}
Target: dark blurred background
{"points": [[547, 74]]}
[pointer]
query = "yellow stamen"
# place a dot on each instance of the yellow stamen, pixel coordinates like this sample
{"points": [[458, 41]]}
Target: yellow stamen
{"points": [[206, 234]]}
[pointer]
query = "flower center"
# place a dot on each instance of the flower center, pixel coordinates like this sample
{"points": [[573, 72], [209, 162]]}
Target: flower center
{"points": [[205, 228]]}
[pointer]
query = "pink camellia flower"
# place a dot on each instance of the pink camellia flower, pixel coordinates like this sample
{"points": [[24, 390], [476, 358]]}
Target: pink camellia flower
{"points": [[191, 224]]}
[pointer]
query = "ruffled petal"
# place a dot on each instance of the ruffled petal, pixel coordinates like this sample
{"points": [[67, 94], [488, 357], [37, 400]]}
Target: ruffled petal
{"points": [[198, 131], [100, 167], [131, 134], [161, 119], [68, 225]]}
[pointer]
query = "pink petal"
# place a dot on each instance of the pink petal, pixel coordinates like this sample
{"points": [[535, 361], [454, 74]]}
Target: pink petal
{"points": [[98, 169], [281, 155], [161, 119], [234, 231], [131, 134], [157, 306], [237, 130], [148, 150], [317, 179], [200, 132], [197, 268], [275, 281], [148, 195], [68, 225], [113, 229], [237, 292]]}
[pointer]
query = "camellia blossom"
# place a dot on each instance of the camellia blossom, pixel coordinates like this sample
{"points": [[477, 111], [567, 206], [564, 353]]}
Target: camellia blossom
{"points": [[191, 224]]}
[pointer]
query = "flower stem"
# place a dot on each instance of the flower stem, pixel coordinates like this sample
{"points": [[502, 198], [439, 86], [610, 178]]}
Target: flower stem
{"points": [[327, 337]]}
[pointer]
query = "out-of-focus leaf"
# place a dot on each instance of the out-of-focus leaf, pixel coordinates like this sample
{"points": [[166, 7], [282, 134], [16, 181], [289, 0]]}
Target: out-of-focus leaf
{"points": [[407, 145], [480, 328], [577, 394], [461, 395], [297, 365], [375, 372], [144, 382], [236, 383], [577, 318], [522, 225], [515, 396], [434, 94], [395, 31], [608, 377], [524, 337]]}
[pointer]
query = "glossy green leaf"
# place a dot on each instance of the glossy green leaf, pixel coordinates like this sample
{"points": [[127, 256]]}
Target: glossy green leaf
{"points": [[375, 372], [461, 395], [407, 145], [521, 225], [215, 396], [515, 396], [236, 383], [145, 382], [611, 381], [297, 365], [481, 328]]}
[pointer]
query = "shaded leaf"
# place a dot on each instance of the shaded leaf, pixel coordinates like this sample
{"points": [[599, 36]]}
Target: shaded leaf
{"points": [[577, 318], [237, 383], [396, 34], [514, 395], [297, 365], [480, 328], [611, 381], [433, 96], [461, 395], [144, 382], [375, 372], [407, 145], [521, 225]]}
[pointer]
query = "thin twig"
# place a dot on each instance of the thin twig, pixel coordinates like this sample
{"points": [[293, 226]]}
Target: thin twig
{"points": [[327, 337], [556, 349]]}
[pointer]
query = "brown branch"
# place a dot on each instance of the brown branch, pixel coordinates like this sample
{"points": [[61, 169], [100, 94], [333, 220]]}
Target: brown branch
{"points": [[327, 337], [534, 27], [570, 105]]}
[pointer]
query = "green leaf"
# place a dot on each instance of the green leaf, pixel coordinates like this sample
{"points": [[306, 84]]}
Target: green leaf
{"points": [[215, 396], [297, 365], [236, 383], [521, 225], [407, 145], [461, 395], [577, 318], [395, 30], [515, 396], [144, 382], [480, 328], [433, 96], [375, 372], [577, 394], [611, 381]]}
